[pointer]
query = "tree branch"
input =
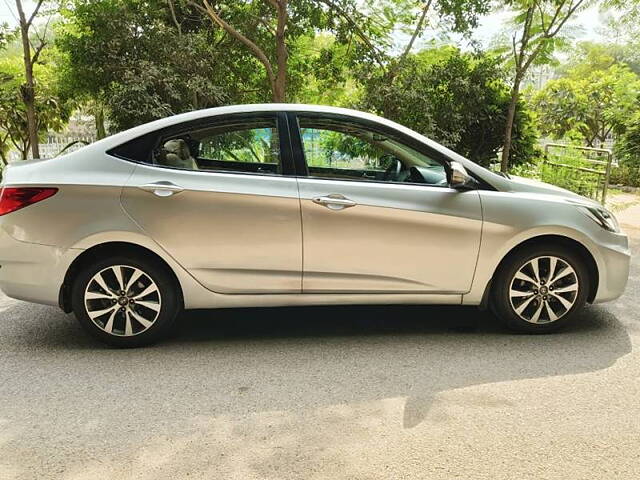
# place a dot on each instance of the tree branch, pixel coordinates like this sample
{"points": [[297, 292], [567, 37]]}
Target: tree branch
{"points": [[35, 12], [255, 50], [356, 27], [282, 55], [539, 5], [174, 17], [551, 32], [416, 32], [43, 41], [37, 51], [524, 40], [568, 15]]}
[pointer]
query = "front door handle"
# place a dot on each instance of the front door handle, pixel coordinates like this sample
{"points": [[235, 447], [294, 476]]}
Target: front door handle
{"points": [[161, 189], [334, 201]]}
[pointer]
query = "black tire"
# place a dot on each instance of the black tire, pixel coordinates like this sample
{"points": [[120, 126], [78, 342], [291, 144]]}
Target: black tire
{"points": [[501, 303], [168, 310]]}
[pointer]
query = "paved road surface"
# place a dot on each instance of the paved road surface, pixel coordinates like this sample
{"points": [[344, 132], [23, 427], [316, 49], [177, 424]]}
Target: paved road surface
{"points": [[337, 393]]}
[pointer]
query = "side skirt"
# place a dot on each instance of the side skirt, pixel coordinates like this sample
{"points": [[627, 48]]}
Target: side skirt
{"points": [[282, 300]]}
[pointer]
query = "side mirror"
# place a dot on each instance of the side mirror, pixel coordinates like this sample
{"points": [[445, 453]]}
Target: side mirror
{"points": [[459, 178]]}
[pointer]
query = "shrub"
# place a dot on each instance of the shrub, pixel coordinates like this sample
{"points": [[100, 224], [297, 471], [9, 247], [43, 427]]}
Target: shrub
{"points": [[627, 147], [457, 99], [625, 175]]}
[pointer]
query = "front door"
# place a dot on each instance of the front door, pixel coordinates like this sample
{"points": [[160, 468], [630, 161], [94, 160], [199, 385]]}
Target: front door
{"points": [[378, 215], [219, 198]]}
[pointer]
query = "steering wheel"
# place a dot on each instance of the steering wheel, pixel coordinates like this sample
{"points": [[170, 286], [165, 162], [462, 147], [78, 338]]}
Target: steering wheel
{"points": [[393, 170]]}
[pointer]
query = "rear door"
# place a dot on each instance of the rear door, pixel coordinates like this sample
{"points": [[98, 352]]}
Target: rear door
{"points": [[221, 198], [371, 222]]}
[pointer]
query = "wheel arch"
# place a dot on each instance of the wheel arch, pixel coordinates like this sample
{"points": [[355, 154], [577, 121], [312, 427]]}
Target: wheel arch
{"points": [[568, 242], [105, 249]]}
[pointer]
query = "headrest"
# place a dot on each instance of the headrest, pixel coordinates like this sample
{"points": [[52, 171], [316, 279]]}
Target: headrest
{"points": [[179, 147]]}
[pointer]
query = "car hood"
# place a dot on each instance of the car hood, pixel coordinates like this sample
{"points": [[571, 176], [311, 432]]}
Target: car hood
{"points": [[520, 184]]}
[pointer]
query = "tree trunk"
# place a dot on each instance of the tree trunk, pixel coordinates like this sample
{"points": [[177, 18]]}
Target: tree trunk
{"points": [[28, 97], [101, 131], [282, 55], [279, 94], [28, 89], [508, 130]]}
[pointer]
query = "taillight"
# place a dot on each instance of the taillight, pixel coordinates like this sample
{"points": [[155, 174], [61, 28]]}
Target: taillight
{"points": [[15, 198]]}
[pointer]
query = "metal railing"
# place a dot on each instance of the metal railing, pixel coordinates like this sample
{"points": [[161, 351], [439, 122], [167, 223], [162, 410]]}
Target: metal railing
{"points": [[601, 169]]}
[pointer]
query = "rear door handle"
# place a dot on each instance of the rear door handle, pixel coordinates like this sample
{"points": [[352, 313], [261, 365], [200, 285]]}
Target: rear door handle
{"points": [[161, 189], [334, 201]]}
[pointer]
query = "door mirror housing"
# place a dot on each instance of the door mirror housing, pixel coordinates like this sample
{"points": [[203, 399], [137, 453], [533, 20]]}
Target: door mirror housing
{"points": [[459, 178]]}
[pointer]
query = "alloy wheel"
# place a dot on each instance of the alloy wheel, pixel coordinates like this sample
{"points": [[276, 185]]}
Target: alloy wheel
{"points": [[544, 289], [122, 300]]}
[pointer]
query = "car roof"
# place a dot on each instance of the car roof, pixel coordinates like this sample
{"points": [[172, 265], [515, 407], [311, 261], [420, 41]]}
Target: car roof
{"points": [[122, 137], [135, 132]]}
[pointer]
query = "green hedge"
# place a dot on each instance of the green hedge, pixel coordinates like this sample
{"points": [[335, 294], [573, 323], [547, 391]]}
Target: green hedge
{"points": [[625, 175]]}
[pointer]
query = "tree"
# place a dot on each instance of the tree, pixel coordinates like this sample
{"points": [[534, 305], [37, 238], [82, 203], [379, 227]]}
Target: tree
{"points": [[458, 99], [51, 112], [276, 71], [135, 61], [538, 24], [270, 29], [595, 104], [379, 70], [627, 148], [626, 16], [587, 57], [31, 55]]}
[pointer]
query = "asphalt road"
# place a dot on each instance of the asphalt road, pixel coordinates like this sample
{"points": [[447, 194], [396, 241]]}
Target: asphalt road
{"points": [[337, 393]]}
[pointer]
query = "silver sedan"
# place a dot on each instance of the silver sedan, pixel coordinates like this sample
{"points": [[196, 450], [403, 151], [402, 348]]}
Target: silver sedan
{"points": [[268, 205]]}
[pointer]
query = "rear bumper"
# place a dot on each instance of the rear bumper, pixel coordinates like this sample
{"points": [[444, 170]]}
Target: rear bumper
{"points": [[33, 272]]}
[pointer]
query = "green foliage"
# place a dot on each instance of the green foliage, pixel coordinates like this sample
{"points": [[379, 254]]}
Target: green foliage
{"points": [[52, 111], [327, 79], [143, 62], [256, 145], [625, 175], [628, 145], [594, 103], [570, 168], [587, 57], [329, 148], [131, 57], [458, 99]]}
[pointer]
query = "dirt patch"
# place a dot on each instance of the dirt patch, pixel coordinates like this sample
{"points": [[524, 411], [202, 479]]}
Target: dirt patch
{"points": [[618, 201]]}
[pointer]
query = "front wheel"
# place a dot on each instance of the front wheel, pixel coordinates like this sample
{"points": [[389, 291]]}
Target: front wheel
{"points": [[124, 301], [539, 289]]}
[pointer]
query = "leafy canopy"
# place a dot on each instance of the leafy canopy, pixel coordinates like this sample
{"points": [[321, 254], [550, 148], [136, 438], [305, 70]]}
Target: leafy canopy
{"points": [[458, 99], [593, 101]]}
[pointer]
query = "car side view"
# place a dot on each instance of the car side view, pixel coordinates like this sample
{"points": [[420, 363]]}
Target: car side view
{"points": [[281, 204]]}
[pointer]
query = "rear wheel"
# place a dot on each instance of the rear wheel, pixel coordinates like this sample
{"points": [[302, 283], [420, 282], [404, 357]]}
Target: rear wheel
{"points": [[125, 302], [539, 289]]}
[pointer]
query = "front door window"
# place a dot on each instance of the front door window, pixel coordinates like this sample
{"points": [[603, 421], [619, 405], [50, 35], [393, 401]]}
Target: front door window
{"points": [[344, 150]]}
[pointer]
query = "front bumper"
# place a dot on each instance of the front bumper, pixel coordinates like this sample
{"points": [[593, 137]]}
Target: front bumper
{"points": [[33, 272], [613, 267]]}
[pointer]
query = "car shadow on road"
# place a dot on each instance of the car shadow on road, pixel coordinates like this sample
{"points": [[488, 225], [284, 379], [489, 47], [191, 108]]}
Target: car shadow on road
{"points": [[421, 350], [306, 357]]}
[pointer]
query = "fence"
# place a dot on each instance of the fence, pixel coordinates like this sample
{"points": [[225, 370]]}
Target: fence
{"points": [[53, 146], [584, 170]]}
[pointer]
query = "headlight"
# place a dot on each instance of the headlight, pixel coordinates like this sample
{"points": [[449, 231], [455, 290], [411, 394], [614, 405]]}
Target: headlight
{"points": [[602, 217]]}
